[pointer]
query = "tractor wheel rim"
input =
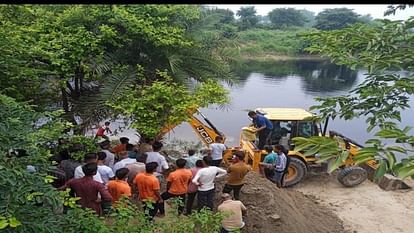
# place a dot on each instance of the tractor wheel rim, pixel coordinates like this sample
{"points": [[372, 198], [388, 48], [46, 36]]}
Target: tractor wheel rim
{"points": [[291, 173], [354, 177]]}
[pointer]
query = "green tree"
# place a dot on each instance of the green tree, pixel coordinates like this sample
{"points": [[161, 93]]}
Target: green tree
{"points": [[27, 202], [336, 18], [286, 17], [83, 56], [310, 18], [384, 50], [248, 17], [164, 103]]}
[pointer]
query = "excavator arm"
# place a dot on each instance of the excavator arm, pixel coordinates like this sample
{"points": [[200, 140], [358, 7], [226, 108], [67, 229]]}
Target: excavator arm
{"points": [[207, 132]]}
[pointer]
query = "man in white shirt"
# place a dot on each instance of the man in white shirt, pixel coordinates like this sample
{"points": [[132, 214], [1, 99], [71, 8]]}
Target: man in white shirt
{"points": [[124, 161], [105, 171], [89, 158], [217, 149], [204, 179], [155, 156], [110, 157], [235, 209]]}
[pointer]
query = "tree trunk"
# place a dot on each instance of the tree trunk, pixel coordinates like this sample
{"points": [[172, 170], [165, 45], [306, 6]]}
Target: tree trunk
{"points": [[65, 102], [77, 91], [69, 86], [82, 75]]}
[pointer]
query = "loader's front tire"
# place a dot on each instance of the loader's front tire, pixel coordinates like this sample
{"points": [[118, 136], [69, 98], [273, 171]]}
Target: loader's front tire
{"points": [[297, 171], [352, 176]]}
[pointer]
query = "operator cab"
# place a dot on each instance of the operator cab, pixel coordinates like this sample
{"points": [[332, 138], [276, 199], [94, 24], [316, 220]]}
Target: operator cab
{"points": [[289, 123]]}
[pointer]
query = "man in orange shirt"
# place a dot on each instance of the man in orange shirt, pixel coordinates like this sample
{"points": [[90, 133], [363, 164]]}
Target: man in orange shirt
{"points": [[177, 183], [149, 190], [119, 187], [121, 147]]}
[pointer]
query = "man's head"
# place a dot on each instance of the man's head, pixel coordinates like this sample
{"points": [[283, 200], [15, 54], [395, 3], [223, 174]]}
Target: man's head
{"points": [[121, 173], [105, 144], [199, 163], [151, 167], [129, 147], [107, 123], [219, 139], [191, 152], [157, 146], [252, 114], [268, 149], [207, 160], [278, 149], [225, 197], [101, 156], [90, 158], [90, 169], [181, 163], [142, 158], [124, 140], [238, 156]]}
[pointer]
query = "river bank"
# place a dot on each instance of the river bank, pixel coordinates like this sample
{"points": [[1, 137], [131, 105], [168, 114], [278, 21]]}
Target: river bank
{"points": [[280, 57]]}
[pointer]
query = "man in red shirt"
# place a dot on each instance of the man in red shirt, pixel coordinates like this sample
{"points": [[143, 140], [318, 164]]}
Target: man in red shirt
{"points": [[87, 189], [149, 190], [177, 183], [103, 129]]}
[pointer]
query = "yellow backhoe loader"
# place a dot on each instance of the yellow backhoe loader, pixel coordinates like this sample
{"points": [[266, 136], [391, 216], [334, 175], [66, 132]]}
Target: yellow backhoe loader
{"points": [[287, 124]]}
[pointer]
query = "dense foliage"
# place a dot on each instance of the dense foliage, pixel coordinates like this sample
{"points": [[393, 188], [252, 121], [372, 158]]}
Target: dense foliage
{"points": [[248, 17], [385, 50], [78, 57], [286, 17], [331, 19]]}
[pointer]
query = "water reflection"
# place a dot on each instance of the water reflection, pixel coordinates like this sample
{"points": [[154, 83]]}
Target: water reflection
{"points": [[318, 76]]}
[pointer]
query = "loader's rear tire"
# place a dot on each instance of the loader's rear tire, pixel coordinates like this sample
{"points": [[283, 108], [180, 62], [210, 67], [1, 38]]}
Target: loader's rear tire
{"points": [[352, 176], [296, 172]]}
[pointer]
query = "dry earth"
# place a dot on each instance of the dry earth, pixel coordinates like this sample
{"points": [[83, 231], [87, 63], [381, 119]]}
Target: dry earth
{"points": [[365, 208], [298, 213]]}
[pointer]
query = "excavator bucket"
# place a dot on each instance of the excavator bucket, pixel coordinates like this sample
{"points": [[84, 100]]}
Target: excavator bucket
{"points": [[387, 182]]}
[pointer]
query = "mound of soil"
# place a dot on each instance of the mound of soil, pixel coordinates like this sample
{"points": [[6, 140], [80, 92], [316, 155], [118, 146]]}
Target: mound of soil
{"points": [[298, 212]]}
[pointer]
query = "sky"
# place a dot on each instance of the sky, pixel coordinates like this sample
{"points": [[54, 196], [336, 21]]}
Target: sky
{"points": [[375, 10]]}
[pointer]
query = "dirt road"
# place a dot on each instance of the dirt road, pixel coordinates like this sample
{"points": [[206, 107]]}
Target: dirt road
{"points": [[364, 209]]}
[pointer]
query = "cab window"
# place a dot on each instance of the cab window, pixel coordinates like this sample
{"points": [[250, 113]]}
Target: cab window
{"points": [[305, 129]]}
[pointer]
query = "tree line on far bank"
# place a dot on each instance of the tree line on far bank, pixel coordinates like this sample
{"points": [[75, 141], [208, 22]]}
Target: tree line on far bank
{"points": [[285, 18], [277, 33]]}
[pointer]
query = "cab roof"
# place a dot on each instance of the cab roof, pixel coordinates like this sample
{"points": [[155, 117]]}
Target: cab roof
{"points": [[294, 114]]}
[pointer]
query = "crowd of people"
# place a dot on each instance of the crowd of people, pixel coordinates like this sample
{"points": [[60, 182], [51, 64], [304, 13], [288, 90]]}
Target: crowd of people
{"points": [[139, 172]]}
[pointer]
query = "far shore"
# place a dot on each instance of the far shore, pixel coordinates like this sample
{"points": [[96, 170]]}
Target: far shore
{"points": [[278, 57]]}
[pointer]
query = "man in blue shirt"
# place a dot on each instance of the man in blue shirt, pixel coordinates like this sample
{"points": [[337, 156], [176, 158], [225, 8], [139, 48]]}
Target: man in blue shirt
{"points": [[263, 127]]}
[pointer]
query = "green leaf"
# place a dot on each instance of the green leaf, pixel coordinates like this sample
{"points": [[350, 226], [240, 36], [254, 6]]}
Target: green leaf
{"points": [[382, 168], [311, 151], [406, 171], [3, 223], [334, 164], [14, 222], [397, 148], [391, 159]]}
